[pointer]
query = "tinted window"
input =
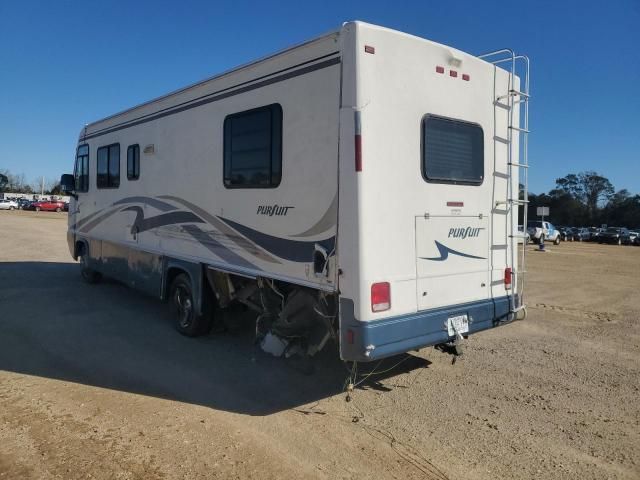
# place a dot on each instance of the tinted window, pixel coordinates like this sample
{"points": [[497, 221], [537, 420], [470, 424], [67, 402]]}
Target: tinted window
{"points": [[253, 148], [81, 171], [452, 151], [108, 166], [133, 162]]}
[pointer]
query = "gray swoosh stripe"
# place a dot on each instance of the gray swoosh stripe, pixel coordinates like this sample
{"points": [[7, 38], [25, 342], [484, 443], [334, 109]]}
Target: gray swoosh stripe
{"points": [[293, 250], [98, 220], [207, 241], [142, 224], [84, 220], [241, 242], [327, 221], [162, 206]]}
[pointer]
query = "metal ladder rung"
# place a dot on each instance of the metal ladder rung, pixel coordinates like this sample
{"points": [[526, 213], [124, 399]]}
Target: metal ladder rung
{"points": [[515, 93], [517, 236], [511, 201], [519, 129], [519, 165]]}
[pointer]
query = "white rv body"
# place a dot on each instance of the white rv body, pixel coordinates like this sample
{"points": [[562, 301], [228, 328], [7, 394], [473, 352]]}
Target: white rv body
{"points": [[352, 188]]}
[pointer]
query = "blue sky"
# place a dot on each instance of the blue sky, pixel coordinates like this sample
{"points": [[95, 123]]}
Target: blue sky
{"points": [[64, 64]]}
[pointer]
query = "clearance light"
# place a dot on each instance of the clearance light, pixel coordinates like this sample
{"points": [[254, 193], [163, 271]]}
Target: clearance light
{"points": [[440, 69], [369, 49], [508, 273], [380, 297], [453, 73], [466, 77]]}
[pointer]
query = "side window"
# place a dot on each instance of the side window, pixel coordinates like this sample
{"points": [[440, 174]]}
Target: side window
{"points": [[452, 151], [81, 170], [108, 166], [133, 162], [253, 148]]}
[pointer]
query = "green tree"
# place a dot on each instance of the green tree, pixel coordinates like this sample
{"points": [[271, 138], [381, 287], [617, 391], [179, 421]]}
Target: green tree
{"points": [[589, 188]]}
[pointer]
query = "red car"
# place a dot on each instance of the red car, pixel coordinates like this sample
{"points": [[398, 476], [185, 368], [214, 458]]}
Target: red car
{"points": [[48, 205]]}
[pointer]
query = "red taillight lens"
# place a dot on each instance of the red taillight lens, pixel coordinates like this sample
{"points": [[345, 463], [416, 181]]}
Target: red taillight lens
{"points": [[358, 147], [453, 73], [380, 297], [350, 336], [507, 277], [440, 69]]}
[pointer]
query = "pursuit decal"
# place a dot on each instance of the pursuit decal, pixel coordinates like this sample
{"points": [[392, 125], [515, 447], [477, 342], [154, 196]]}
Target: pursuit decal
{"points": [[271, 210], [445, 251], [462, 233]]}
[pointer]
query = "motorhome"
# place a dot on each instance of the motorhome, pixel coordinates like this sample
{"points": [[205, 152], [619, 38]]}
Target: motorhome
{"points": [[361, 188]]}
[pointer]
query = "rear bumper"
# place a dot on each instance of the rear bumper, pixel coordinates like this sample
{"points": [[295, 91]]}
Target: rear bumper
{"points": [[367, 341]]}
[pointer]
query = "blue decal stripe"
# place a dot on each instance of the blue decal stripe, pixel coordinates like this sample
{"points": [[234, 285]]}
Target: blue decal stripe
{"points": [[445, 251]]}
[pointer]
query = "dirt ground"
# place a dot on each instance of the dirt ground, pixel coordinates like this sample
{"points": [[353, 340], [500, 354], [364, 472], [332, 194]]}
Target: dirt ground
{"points": [[95, 383]]}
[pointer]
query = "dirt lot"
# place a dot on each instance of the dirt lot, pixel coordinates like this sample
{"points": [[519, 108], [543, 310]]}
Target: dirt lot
{"points": [[95, 383]]}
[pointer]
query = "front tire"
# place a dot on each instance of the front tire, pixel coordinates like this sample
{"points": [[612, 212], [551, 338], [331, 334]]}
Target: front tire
{"points": [[557, 240], [183, 307], [58, 209], [88, 274]]}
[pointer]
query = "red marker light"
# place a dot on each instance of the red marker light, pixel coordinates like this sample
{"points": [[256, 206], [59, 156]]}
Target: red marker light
{"points": [[466, 77], [440, 69], [369, 49], [453, 73]]}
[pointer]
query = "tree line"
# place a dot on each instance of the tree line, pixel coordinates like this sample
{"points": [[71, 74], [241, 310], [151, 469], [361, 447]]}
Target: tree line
{"points": [[17, 183], [588, 199]]}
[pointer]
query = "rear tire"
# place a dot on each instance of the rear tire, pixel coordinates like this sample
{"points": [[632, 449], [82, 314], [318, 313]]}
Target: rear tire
{"points": [[58, 209], [183, 307], [37, 209]]}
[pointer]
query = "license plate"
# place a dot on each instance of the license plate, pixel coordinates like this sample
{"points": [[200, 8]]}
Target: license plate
{"points": [[459, 323]]}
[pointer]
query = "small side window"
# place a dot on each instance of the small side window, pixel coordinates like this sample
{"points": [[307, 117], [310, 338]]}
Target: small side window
{"points": [[81, 170], [133, 162], [253, 148], [108, 166], [452, 151]]}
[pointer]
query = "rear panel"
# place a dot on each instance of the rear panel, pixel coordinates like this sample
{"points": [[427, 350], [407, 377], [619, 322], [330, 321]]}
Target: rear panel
{"points": [[439, 238]]}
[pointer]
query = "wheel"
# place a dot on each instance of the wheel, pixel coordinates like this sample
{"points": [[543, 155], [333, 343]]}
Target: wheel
{"points": [[88, 275], [557, 240], [11, 208], [183, 307], [619, 241], [37, 209], [58, 209]]}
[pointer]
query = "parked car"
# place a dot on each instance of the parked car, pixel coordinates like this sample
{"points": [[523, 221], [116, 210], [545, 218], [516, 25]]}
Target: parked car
{"points": [[523, 237], [630, 237], [48, 205], [613, 235], [8, 205], [538, 230], [566, 234], [581, 234], [23, 203], [595, 233]]}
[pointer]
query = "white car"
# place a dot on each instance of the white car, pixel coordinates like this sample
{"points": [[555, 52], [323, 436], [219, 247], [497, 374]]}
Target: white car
{"points": [[538, 230], [8, 205]]}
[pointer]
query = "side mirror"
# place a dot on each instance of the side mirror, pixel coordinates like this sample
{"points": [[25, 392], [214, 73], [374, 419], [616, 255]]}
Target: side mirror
{"points": [[68, 184]]}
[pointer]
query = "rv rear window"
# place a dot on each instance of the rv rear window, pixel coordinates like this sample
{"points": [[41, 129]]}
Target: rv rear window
{"points": [[253, 148], [452, 151], [133, 162], [81, 170], [108, 166]]}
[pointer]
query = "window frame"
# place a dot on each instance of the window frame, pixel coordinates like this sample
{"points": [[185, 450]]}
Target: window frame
{"points": [[423, 163], [108, 147], [130, 147], [280, 116], [75, 168]]}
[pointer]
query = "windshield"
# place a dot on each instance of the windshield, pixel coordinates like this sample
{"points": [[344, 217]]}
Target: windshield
{"points": [[613, 230]]}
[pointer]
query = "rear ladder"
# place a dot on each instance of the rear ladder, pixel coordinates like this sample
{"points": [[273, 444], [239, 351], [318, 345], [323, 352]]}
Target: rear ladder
{"points": [[520, 168]]}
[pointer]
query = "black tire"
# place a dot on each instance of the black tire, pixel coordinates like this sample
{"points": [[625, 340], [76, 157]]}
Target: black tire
{"points": [[58, 209], [619, 241], [88, 275], [11, 208], [37, 209], [183, 307], [557, 240]]}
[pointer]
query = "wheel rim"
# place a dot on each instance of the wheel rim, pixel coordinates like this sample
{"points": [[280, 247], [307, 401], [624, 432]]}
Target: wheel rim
{"points": [[184, 306]]}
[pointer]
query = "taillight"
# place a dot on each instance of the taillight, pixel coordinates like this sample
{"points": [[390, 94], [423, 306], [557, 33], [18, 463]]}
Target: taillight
{"points": [[358, 147], [508, 273], [380, 297]]}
